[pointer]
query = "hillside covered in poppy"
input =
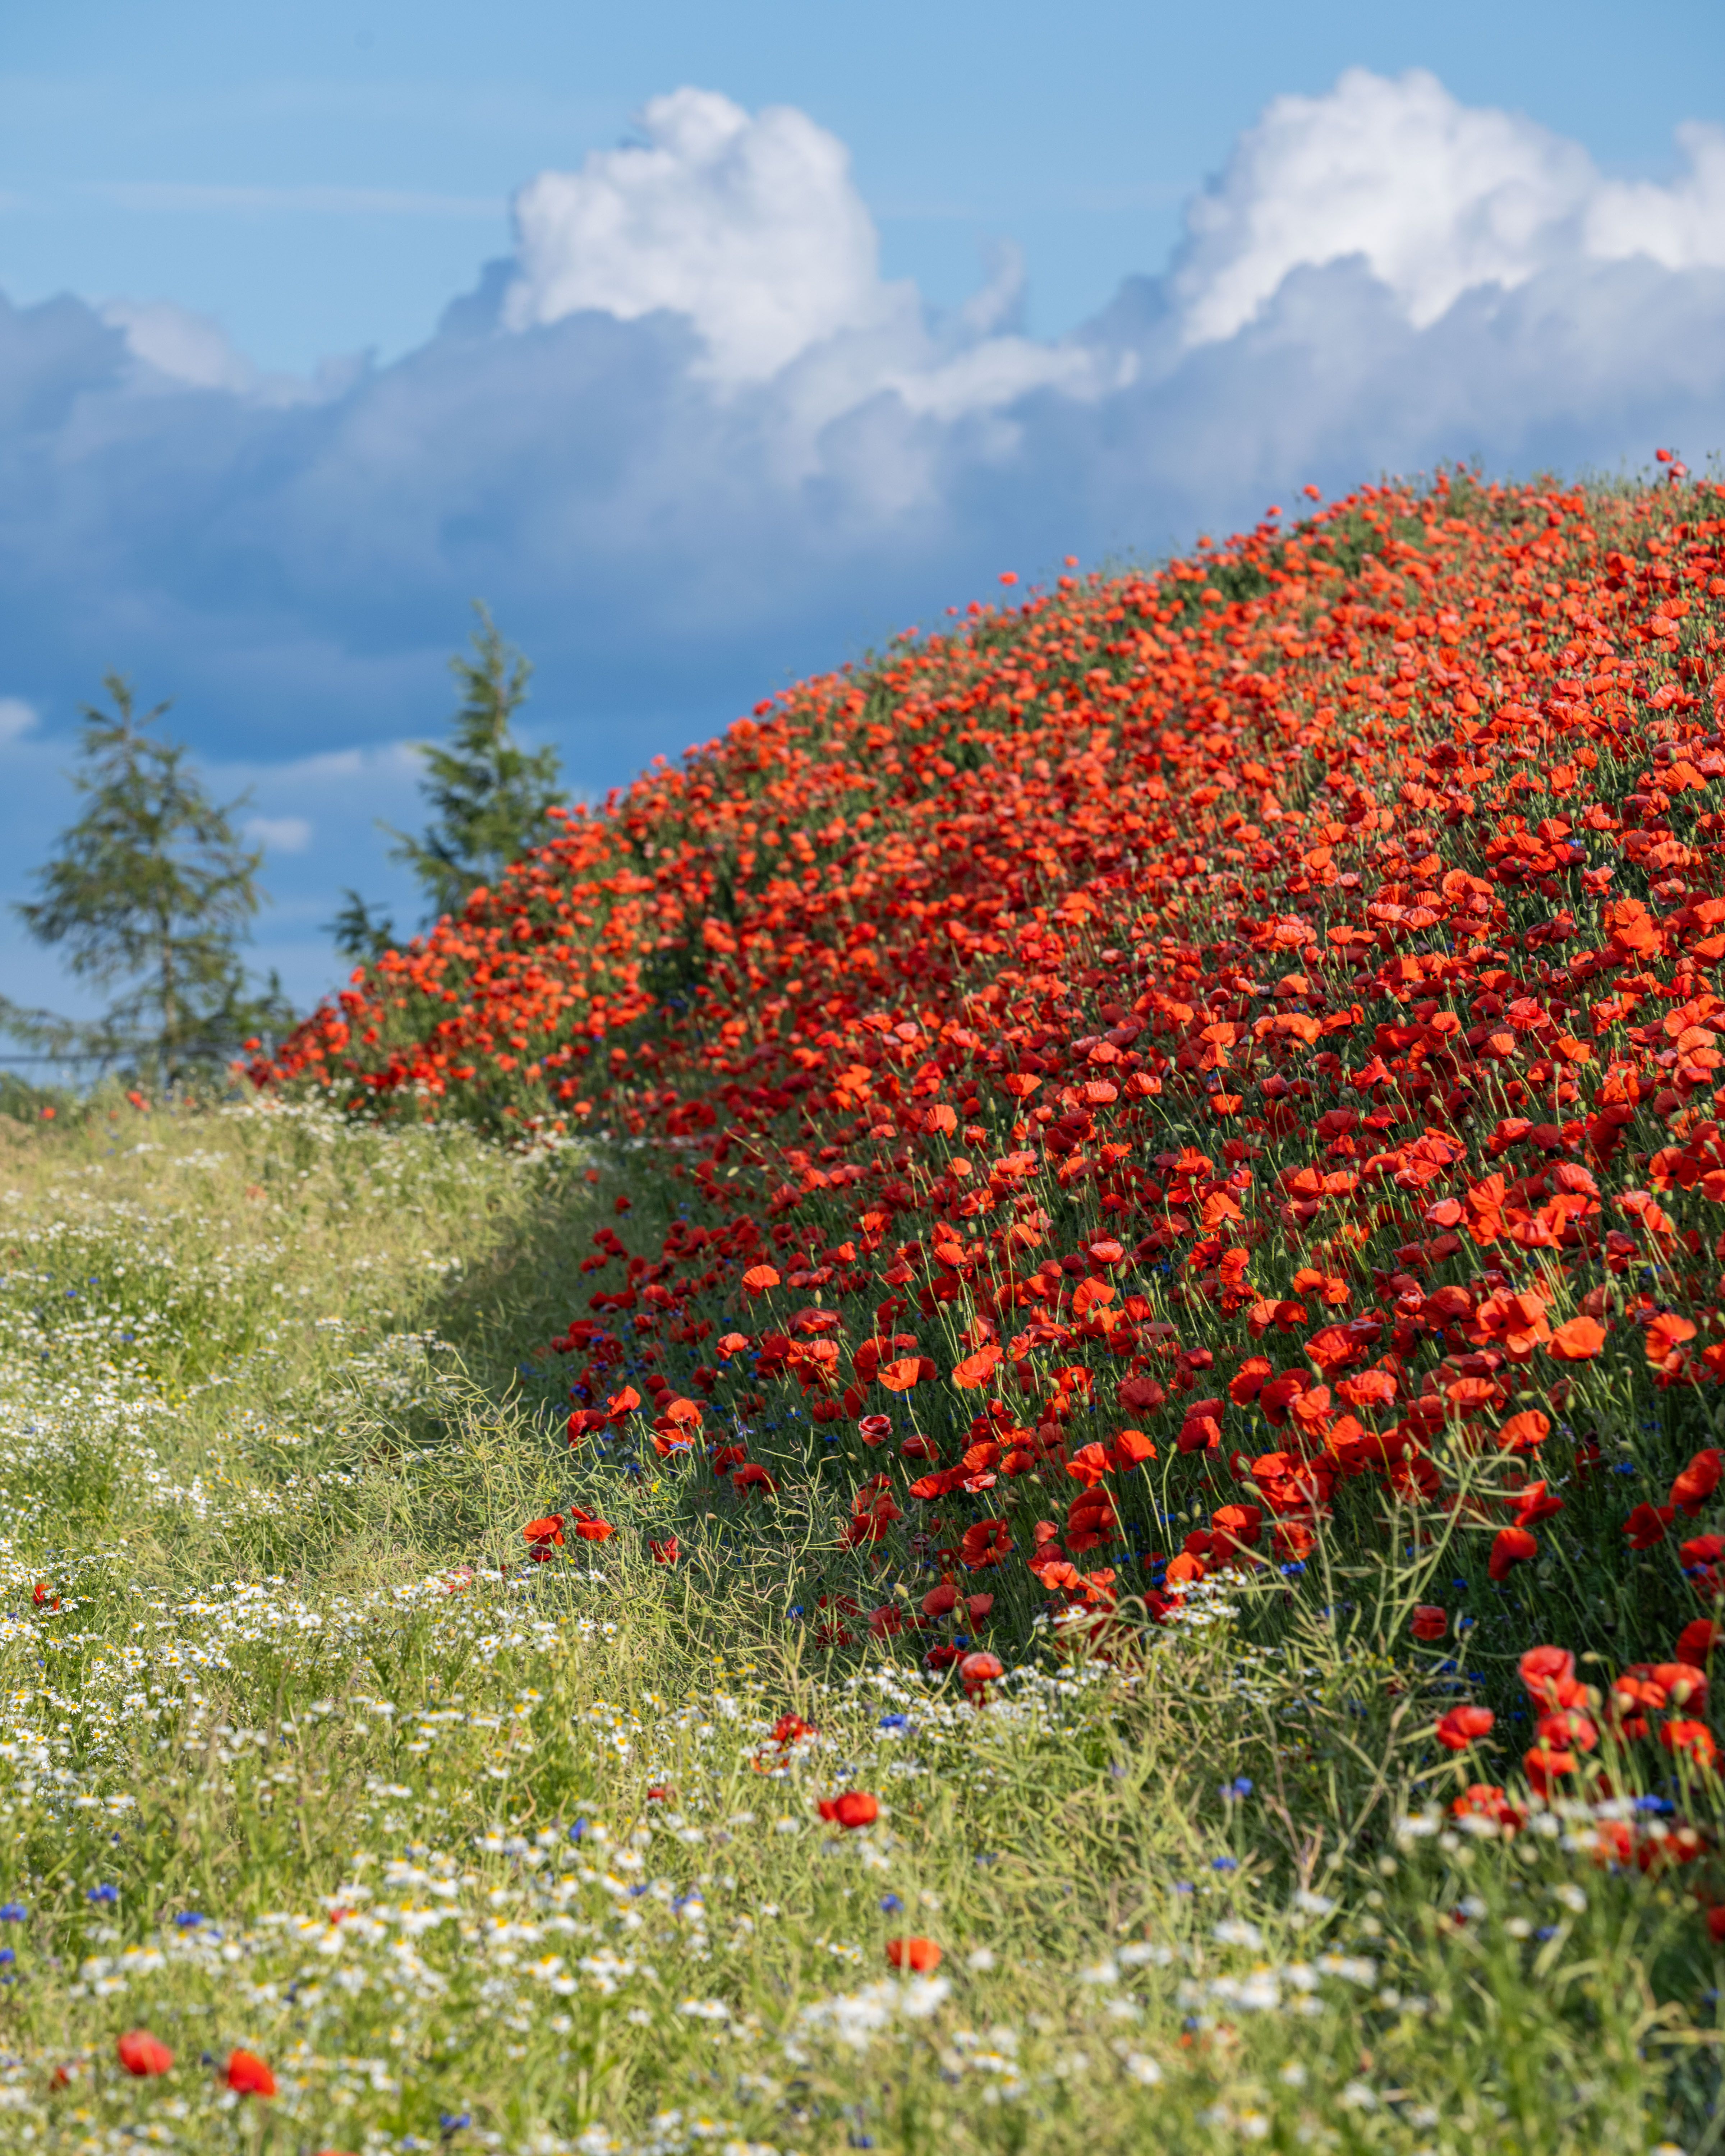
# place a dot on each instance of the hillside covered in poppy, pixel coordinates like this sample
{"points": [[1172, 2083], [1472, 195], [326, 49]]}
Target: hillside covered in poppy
{"points": [[1209, 1074]]}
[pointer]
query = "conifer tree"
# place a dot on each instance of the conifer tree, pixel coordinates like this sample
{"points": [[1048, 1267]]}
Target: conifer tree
{"points": [[358, 933], [488, 795], [149, 892]]}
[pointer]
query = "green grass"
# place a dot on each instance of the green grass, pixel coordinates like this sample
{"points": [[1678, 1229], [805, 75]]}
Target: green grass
{"points": [[271, 1420]]}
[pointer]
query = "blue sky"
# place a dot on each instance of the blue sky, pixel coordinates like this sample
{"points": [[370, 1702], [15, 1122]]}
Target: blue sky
{"points": [[896, 297], [322, 178]]}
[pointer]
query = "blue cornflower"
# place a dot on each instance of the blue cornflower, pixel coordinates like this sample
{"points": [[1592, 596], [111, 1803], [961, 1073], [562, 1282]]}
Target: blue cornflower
{"points": [[103, 1893], [897, 1723], [188, 1920], [890, 1902], [12, 1913], [1224, 1864]]}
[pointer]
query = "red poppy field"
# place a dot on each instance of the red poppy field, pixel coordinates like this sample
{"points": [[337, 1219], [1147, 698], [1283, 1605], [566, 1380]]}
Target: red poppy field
{"points": [[1209, 1075], [989, 1424]]}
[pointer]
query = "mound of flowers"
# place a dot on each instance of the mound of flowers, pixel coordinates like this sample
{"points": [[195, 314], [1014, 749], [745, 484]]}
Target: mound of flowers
{"points": [[1204, 1073]]}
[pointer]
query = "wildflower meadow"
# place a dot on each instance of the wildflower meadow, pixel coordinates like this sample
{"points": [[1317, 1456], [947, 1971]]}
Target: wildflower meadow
{"points": [[989, 1422]]}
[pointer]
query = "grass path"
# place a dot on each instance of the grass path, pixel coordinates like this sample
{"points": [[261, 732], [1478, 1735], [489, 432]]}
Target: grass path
{"points": [[300, 1758]]}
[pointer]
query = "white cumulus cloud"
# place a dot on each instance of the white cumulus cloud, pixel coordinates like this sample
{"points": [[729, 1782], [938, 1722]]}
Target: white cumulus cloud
{"points": [[279, 835], [1680, 227], [749, 224], [185, 347], [1437, 198]]}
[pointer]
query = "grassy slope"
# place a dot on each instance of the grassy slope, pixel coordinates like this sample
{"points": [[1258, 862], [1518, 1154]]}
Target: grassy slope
{"points": [[272, 1693], [1173, 1901]]}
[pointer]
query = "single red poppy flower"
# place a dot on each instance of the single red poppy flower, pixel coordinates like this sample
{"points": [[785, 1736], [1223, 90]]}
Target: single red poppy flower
{"points": [[854, 1808], [921, 1955], [144, 2054], [1646, 1525], [1548, 1674], [977, 1672], [1570, 1728], [1698, 1480], [1463, 1726], [977, 1369], [1430, 1622], [1545, 1763], [248, 2075], [1578, 1341], [1510, 1547], [984, 1543], [1693, 1740]]}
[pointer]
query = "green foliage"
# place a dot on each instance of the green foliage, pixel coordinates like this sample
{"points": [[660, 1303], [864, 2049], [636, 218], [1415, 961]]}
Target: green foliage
{"points": [[150, 893], [358, 933], [487, 794]]}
